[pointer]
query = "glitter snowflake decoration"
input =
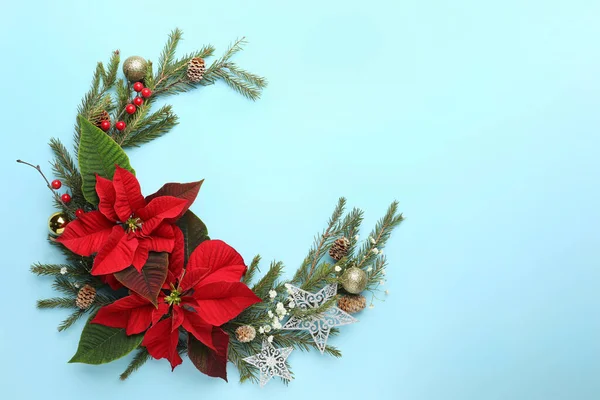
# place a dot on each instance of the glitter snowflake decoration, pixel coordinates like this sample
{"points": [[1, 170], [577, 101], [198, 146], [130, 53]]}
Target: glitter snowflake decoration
{"points": [[319, 325], [271, 362]]}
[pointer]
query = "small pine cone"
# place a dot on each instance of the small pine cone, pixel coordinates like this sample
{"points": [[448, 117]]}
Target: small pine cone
{"points": [[98, 117], [339, 249], [352, 303], [85, 297], [196, 69], [245, 333]]}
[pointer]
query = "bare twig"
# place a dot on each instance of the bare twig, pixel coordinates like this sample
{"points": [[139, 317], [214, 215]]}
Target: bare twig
{"points": [[37, 167]]}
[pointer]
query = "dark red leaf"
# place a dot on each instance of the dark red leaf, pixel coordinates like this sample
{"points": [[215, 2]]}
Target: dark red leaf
{"points": [[194, 232], [210, 362], [186, 191], [147, 283]]}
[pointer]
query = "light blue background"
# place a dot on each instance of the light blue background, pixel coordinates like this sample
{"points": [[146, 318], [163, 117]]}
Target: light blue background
{"points": [[481, 118]]}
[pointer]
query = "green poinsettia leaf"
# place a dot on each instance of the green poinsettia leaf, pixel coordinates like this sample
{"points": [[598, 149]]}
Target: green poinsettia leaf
{"points": [[98, 154], [101, 344], [194, 232], [148, 282]]}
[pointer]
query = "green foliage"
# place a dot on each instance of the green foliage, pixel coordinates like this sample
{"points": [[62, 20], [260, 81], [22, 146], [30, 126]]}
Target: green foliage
{"points": [[269, 281], [65, 169], [149, 128], [101, 344], [194, 232], [252, 270], [57, 302], [71, 319], [98, 154], [167, 56], [140, 358]]}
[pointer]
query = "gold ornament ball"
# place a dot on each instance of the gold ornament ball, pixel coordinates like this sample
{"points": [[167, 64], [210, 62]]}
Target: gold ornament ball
{"points": [[57, 223], [134, 68], [354, 280]]}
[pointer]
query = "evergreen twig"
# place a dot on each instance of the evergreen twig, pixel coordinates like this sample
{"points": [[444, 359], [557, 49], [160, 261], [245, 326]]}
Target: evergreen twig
{"points": [[140, 358]]}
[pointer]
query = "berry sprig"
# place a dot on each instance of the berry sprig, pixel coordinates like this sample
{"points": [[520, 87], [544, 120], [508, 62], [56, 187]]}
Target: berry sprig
{"points": [[56, 184], [130, 108]]}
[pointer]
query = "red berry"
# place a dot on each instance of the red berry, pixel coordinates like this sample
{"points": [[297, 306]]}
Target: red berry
{"points": [[56, 184], [66, 198], [79, 212], [105, 125], [120, 125], [146, 92], [138, 86], [130, 108], [138, 101]]}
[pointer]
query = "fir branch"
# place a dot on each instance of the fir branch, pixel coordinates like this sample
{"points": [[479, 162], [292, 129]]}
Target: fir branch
{"points": [[110, 76], [239, 85], [71, 319], [323, 274], [351, 226], [253, 79], [380, 235], [376, 275], [154, 126], [321, 244], [55, 270], [65, 285], [252, 269], [168, 54], [56, 302], [139, 359], [65, 169], [262, 288]]}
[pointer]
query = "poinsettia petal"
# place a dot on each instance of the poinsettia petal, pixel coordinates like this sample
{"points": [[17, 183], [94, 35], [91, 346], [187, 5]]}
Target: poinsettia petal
{"points": [[210, 362], [141, 255], [132, 312], [87, 234], [128, 195], [231, 273], [198, 327], [157, 210], [106, 193], [161, 342], [161, 310], [162, 239], [176, 258], [177, 317], [209, 257], [220, 302], [116, 254], [111, 281], [186, 191]]}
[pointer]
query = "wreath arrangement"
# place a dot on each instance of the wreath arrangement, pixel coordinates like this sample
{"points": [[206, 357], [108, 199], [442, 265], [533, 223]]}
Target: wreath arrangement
{"points": [[143, 268]]}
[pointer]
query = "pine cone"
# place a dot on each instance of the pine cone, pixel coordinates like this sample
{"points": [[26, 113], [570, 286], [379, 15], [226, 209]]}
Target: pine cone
{"points": [[85, 297], [98, 117], [339, 249], [196, 69], [245, 333], [352, 303]]}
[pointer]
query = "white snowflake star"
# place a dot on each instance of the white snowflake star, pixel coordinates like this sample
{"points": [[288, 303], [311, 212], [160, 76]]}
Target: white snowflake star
{"points": [[271, 362], [320, 325]]}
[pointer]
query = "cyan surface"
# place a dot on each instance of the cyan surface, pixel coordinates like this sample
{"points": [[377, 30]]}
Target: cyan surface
{"points": [[481, 118]]}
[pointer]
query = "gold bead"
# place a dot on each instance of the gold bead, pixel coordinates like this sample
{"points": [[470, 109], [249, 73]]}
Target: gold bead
{"points": [[134, 68], [57, 223], [354, 280]]}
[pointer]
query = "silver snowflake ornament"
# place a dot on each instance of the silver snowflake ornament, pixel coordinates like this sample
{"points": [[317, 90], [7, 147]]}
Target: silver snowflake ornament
{"points": [[271, 362], [319, 325]]}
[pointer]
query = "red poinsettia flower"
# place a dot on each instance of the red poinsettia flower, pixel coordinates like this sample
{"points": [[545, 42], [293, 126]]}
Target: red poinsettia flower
{"points": [[204, 296], [126, 227]]}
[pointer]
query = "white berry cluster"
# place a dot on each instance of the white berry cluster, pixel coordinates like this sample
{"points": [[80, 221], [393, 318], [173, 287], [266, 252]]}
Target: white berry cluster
{"points": [[277, 315]]}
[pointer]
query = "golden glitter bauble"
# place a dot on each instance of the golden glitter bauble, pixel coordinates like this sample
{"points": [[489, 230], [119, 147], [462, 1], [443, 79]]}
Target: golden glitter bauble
{"points": [[354, 280], [57, 223], [134, 68]]}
